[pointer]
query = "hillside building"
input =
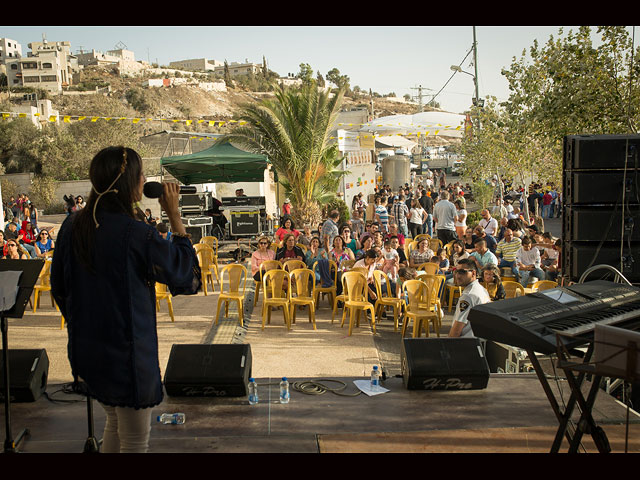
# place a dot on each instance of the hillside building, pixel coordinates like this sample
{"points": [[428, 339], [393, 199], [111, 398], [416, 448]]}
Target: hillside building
{"points": [[197, 64], [49, 66], [9, 50]]}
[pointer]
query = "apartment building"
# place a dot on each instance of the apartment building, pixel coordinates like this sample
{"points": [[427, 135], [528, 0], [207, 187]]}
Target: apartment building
{"points": [[9, 50], [196, 64], [236, 68], [48, 66]]}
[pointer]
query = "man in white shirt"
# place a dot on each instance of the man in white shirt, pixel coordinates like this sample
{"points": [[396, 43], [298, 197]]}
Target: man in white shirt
{"points": [[465, 275], [528, 262], [489, 223]]}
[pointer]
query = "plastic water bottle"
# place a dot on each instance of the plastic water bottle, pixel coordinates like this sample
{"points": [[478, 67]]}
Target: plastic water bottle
{"points": [[253, 392], [172, 418], [284, 390], [375, 378]]}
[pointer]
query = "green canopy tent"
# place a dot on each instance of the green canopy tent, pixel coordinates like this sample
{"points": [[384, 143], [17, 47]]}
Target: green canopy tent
{"points": [[221, 163]]}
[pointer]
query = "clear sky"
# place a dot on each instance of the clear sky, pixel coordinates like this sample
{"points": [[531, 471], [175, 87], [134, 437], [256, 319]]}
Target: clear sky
{"points": [[383, 58]]}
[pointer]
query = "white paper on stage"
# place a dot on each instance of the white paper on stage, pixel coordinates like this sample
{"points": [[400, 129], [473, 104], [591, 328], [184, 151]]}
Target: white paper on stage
{"points": [[8, 289], [365, 387]]}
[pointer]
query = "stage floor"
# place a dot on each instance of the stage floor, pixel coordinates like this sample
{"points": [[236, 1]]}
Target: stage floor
{"points": [[511, 415]]}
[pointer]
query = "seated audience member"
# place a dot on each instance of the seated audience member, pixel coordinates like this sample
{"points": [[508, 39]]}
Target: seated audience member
{"points": [[549, 260], [15, 251], [262, 254], [421, 254], [287, 228], [482, 256], [395, 244], [492, 282], [528, 262], [289, 249], [163, 230], [43, 244]]}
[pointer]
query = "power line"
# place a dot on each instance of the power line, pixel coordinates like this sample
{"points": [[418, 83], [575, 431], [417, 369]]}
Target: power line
{"points": [[452, 75]]}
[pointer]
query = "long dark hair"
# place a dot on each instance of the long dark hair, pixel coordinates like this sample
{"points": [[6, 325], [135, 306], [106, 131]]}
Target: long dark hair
{"points": [[104, 169]]}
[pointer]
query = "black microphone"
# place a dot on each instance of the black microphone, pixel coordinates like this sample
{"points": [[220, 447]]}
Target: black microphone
{"points": [[155, 189]]}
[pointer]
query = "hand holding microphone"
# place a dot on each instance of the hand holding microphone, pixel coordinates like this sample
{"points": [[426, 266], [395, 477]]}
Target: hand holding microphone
{"points": [[168, 195]]}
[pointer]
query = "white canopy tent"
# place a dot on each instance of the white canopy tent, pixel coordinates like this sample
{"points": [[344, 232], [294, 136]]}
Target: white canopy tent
{"points": [[423, 123], [394, 141]]}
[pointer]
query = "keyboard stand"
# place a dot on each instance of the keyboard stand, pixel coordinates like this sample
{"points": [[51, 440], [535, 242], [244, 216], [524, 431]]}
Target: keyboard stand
{"points": [[586, 423]]}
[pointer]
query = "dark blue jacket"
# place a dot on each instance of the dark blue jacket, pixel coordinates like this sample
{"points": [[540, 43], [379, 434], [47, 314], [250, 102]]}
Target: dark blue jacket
{"points": [[111, 315]]}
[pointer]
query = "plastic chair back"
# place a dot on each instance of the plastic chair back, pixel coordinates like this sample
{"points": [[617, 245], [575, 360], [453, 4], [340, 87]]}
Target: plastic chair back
{"points": [[205, 255], [354, 285], [237, 275], [435, 244], [273, 283], [304, 281], [293, 264], [513, 289], [544, 285], [429, 268], [380, 278], [417, 293], [212, 242]]}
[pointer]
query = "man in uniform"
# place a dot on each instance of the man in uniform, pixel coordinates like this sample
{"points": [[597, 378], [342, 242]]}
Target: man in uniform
{"points": [[465, 275]]}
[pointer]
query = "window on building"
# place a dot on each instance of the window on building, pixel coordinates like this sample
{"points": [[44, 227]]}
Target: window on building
{"points": [[31, 79], [47, 65], [49, 78], [14, 66], [29, 65]]}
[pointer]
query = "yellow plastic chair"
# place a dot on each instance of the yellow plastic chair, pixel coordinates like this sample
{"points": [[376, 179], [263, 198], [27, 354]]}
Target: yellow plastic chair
{"points": [[355, 286], [302, 246], [434, 283], [275, 295], [163, 293], [421, 236], [418, 295], [513, 289], [237, 275], [409, 246], [319, 289], [387, 300], [435, 244], [429, 268], [213, 243], [44, 285], [293, 264], [265, 266], [348, 264], [543, 285], [452, 291], [205, 258], [362, 270], [449, 248], [304, 281]]}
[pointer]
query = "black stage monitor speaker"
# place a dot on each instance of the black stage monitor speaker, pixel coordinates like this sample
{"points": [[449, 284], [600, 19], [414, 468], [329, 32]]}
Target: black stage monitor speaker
{"points": [[444, 364], [208, 370], [28, 372]]}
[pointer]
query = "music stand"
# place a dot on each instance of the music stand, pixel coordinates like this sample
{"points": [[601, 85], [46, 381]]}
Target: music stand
{"points": [[30, 272]]}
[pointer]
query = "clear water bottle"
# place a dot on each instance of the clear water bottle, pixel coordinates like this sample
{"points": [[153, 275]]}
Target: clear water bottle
{"points": [[253, 392], [284, 390], [375, 378], [172, 418]]}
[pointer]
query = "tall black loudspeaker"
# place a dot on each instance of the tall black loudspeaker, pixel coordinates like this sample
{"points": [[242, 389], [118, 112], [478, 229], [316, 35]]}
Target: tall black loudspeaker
{"points": [[601, 205]]}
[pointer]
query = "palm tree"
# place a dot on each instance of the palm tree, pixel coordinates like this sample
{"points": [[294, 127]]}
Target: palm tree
{"points": [[293, 131]]}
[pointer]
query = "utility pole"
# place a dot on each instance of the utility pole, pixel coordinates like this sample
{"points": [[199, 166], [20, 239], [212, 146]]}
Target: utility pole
{"points": [[420, 95], [475, 63]]}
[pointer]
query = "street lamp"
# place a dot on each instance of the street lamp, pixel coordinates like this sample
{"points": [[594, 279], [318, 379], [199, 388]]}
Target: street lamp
{"points": [[478, 102]]}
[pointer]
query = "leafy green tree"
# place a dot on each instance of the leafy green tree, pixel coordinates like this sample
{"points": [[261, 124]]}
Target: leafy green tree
{"points": [[305, 74], [293, 131], [340, 81]]}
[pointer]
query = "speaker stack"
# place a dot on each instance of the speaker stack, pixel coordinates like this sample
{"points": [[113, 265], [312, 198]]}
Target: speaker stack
{"points": [[601, 204]]}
